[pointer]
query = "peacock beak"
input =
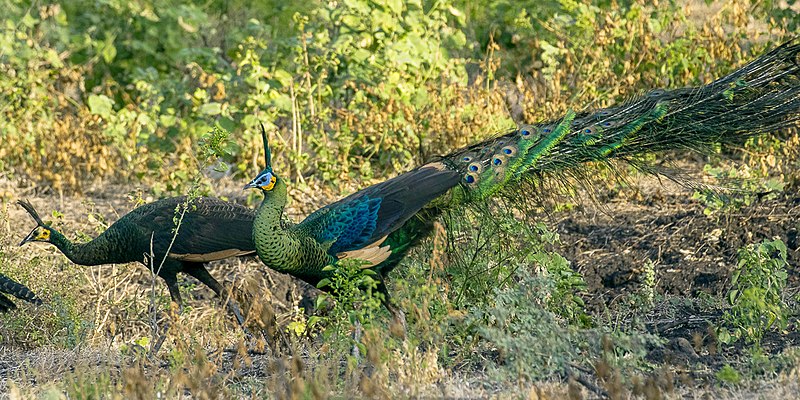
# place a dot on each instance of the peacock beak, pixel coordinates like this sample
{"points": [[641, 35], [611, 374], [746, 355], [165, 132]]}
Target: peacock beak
{"points": [[252, 185], [31, 237]]}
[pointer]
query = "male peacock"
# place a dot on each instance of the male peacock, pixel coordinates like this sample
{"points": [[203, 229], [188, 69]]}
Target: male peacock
{"points": [[16, 289], [376, 224], [208, 229]]}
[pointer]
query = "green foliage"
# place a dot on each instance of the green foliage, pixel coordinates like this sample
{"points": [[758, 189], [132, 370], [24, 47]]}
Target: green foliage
{"points": [[756, 299], [749, 184], [352, 89], [536, 343], [729, 375], [501, 247], [357, 302]]}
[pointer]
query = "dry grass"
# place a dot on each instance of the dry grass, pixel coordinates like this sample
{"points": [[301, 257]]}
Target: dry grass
{"points": [[91, 337]]}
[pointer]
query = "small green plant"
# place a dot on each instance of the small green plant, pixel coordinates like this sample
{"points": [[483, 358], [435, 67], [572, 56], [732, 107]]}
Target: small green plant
{"points": [[564, 299], [756, 299], [729, 375], [534, 341], [642, 300], [357, 302], [749, 181]]}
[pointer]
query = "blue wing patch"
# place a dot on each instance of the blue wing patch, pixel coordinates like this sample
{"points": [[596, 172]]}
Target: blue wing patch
{"points": [[347, 226]]}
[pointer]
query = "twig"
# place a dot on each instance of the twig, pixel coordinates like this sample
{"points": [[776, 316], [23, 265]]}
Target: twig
{"points": [[578, 377]]}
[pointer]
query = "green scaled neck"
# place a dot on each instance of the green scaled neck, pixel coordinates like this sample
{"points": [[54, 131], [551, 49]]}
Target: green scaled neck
{"points": [[283, 250], [90, 253], [271, 208], [268, 234]]}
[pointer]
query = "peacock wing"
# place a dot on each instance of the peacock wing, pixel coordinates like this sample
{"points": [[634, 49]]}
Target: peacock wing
{"points": [[356, 225], [210, 229]]}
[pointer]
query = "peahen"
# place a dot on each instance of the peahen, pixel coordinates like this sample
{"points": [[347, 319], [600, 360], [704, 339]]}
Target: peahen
{"points": [[209, 229], [380, 223], [16, 289]]}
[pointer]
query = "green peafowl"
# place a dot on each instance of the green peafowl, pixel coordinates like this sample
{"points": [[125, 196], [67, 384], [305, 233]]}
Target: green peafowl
{"points": [[16, 289], [380, 223], [210, 229]]}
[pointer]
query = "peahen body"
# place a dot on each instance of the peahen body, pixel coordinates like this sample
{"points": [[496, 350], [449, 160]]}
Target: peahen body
{"points": [[16, 289], [210, 229], [378, 224]]}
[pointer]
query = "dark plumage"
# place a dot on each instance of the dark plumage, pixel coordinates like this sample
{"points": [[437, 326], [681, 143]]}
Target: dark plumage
{"points": [[380, 223], [210, 229], [16, 289]]}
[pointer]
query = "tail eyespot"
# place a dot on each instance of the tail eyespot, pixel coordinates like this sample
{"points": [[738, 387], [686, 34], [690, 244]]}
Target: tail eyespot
{"points": [[499, 160], [475, 167], [509, 151]]}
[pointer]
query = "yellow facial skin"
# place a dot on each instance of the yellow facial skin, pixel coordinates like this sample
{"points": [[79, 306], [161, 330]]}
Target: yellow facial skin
{"points": [[42, 234], [271, 184]]}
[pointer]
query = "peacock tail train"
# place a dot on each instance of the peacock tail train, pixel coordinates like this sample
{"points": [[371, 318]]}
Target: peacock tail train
{"points": [[763, 96], [382, 222]]}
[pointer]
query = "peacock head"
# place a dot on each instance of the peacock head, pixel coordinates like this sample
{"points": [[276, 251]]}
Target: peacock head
{"points": [[42, 232], [266, 179]]}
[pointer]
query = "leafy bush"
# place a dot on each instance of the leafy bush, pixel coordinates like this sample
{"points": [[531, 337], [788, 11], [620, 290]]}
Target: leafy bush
{"points": [[535, 343], [756, 299]]}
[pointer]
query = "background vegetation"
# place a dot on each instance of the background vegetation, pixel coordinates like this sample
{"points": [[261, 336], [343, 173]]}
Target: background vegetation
{"points": [[115, 99]]}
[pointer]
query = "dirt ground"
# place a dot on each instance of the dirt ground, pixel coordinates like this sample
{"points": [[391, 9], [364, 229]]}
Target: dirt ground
{"points": [[694, 254]]}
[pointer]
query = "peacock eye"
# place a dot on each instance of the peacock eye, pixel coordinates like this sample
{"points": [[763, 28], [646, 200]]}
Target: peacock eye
{"points": [[510, 151], [475, 167], [466, 159], [525, 132], [469, 178], [498, 161]]}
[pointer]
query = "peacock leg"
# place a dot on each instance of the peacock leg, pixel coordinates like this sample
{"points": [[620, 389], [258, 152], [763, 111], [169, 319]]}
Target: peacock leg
{"points": [[199, 271], [171, 279], [398, 314]]}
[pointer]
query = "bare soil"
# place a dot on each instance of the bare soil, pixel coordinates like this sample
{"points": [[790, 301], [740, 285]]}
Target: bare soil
{"points": [[694, 255]]}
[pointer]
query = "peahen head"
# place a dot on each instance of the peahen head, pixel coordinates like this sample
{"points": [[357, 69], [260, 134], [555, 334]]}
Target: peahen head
{"points": [[42, 232], [266, 179]]}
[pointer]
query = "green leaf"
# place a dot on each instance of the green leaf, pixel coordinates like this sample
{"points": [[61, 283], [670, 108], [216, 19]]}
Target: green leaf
{"points": [[732, 296], [100, 105], [313, 320], [212, 108], [283, 77], [323, 283], [724, 336]]}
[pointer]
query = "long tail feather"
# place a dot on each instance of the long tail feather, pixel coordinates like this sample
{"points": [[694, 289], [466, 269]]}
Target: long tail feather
{"points": [[763, 96]]}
